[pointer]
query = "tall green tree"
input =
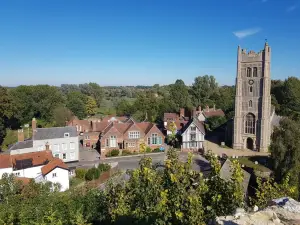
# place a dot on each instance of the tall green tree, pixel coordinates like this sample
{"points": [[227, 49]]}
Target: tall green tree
{"points": [[35, 101], [91, 106], [61, 114], [94, 90], [285, 152], [287, 95], [202, 90], [76, 103], [180, 95]]}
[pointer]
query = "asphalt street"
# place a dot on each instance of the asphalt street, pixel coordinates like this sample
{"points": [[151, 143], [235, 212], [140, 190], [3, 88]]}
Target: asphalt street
{"points": [[132, 162]]}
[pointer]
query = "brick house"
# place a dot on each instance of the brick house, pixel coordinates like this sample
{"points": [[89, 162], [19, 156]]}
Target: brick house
{"points": [[121, 133]]}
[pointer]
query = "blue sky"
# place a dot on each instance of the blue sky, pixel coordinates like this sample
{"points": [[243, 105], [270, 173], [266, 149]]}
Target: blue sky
{"points": [[130, 42]]}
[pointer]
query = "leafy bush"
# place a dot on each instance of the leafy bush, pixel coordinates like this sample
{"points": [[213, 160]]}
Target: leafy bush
{"points": [[103, 167], [112, 153], [92, 174], [74, 181], [157, 150], [80, 173], [148, 149], [126, 152]]}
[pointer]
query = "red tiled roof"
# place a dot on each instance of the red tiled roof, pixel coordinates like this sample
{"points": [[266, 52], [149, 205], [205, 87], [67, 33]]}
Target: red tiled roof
{"points": [[83, 123], [100, 126], [38, 158], [52, 165], [5, 161], [170, 116], [212, 112], [145, 126], [122, 127]]}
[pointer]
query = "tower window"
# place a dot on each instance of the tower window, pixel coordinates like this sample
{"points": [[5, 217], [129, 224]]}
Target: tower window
{"points": [[255, 72], [248, 72], [251, 89], [250, 124], [250, 104]]}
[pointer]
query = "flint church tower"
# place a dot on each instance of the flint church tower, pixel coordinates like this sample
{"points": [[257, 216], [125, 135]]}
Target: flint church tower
{"points": [[252, 125]]}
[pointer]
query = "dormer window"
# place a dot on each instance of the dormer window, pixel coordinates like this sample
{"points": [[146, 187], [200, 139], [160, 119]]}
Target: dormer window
{"points": [[66, 135], [193, 129]]}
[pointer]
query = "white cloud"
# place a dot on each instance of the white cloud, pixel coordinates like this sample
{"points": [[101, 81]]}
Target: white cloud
{"points": [[291, 8], [247, 32]]}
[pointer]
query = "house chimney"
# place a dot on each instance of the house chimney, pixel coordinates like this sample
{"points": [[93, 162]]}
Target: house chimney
{"points": [[47, 146], [181, 112], [20, 135], [199, 108], [207, 108], [214, 107], [33, 125]]}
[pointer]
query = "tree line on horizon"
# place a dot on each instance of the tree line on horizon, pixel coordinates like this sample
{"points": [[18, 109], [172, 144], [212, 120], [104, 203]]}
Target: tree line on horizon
{"points": [[52, 106]]}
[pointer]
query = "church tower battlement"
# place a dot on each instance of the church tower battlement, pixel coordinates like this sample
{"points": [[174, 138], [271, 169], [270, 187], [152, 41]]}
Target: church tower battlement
{"points": [[252, 125]]}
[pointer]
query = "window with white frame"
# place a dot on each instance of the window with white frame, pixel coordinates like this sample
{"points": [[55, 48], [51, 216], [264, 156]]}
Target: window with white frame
{"points": [[72, 155], [56, 148], [66, 135], [56, 155], [134, 135], [193, 144], [64, 155], [154, 139], [193, 137], [17, 174], [54, 175], [131, 145], [113, 141], [87, 137], [64, 146], [72, 145]]}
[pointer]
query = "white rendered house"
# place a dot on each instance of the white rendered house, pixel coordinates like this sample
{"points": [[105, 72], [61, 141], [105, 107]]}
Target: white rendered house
{"points": [[40, 166], [62, 141]]}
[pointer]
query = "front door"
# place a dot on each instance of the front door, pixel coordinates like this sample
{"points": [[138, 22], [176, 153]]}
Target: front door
{"points": [[250, 144]]}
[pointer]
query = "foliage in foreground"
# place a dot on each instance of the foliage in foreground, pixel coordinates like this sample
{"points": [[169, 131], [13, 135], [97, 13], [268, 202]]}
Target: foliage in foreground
{"points": [[268, 190], [172, 195]]}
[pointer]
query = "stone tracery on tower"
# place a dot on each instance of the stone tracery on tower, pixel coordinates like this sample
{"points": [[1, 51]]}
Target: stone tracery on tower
{"points": [[252, 126]]}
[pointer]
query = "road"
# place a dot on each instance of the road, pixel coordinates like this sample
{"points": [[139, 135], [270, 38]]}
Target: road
{"points": [[132, 162]]}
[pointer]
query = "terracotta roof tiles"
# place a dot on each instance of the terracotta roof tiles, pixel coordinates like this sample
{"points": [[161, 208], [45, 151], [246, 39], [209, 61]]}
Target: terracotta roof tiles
{"points": [[5, 161], [26, 160], [52, 165]]}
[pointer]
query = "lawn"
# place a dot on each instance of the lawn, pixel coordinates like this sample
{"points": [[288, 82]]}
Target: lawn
{"points": [[248, 163]]}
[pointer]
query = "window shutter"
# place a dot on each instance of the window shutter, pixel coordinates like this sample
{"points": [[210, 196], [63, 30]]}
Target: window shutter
{"points": [[149, 141]]}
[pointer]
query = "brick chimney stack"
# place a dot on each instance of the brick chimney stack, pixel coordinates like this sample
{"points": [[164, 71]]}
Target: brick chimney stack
{"points": [[20, 135], [199, 108], [33, 126], [47, 146], [181, 112]]}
